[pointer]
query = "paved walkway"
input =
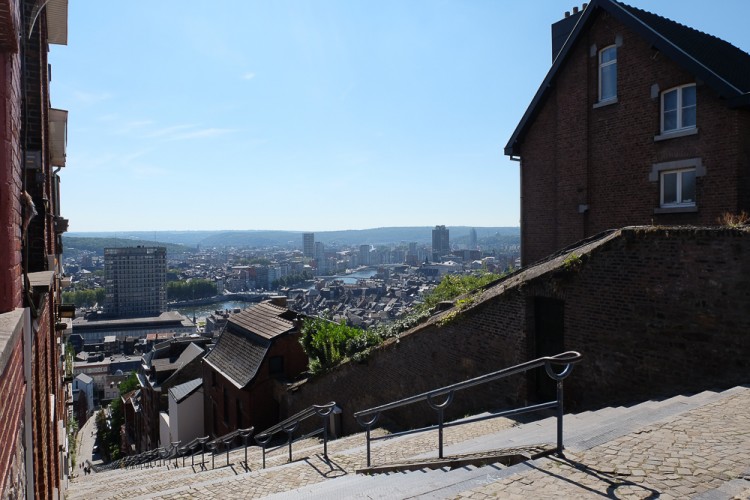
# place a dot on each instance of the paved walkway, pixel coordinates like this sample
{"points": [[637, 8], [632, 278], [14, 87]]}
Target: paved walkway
{"points": [[697, 453], [703, 452]]}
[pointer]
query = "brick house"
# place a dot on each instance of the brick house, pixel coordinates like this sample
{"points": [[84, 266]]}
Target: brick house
{"points": [[640, 120], [166, 365], [33, 447], [258, 349]]}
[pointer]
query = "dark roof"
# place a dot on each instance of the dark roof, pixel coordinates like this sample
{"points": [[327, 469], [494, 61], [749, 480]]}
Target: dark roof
{"points": [[237, 356], [182, 391], [726, 61], [722, 66], [242, 347], [265, 320]]}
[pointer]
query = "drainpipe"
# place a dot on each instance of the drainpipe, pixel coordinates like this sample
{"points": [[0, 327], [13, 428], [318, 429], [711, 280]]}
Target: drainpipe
{"points": [[28, 424], [520, 201]]}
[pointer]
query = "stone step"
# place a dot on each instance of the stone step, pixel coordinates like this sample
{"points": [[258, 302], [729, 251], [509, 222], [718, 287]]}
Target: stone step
{"points": [[582, 431]]}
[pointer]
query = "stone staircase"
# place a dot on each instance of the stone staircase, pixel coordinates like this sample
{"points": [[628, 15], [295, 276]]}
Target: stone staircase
{"points": [[697, 445]]}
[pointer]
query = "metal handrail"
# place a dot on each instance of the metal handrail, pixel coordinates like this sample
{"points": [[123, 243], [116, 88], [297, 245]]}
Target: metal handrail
{"points": [[227, 439], [292, 423], [439, 399]]}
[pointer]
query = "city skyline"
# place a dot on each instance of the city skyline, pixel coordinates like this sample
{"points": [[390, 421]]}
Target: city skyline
{"points": [[343, 115]]}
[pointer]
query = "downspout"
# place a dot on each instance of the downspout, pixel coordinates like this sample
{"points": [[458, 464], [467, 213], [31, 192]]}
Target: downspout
{"points": [[28, 424], [520, 200]]}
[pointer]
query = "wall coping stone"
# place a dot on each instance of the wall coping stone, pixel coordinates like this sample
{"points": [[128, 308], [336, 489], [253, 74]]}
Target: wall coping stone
{"points": [[11, 324]]}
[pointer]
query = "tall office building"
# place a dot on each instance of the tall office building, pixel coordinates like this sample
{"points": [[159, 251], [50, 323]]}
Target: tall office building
{"points": [[440, 242], [135, 281], [364, 255], [320, 257], [308, 244], [472, 239]]}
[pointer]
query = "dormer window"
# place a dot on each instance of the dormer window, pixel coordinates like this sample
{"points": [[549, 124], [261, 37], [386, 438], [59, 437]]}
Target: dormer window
{"points": [[608, 73], [678, 109]]}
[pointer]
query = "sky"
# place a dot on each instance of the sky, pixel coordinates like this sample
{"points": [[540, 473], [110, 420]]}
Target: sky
{"points": [[307, 115]]}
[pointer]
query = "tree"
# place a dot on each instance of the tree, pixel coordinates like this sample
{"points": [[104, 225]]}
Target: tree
{"points": [[190, 289], [454, 285], [85, 297], [327, 343]]}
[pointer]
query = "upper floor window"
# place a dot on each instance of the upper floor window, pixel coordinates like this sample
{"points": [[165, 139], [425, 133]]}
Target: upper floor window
{"points": [[608, 73], [678, 108]]}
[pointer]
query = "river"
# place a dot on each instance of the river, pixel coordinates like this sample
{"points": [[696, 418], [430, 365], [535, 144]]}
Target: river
{"points": [[201, 312]]}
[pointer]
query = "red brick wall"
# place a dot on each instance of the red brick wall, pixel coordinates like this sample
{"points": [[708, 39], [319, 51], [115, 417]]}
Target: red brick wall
{"points": [[654, 311], [10, 183], [13, 389], [576, 154]]}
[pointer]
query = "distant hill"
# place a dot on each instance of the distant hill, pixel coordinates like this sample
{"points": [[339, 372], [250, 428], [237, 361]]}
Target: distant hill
{"points": [[72, 244], [293, 239]]}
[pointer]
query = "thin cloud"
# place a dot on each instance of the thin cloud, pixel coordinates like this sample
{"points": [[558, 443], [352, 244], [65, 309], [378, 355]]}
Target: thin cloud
{"points": [[201, 133], [248, 76], [148, 171], [169, 132], [88, 98]]}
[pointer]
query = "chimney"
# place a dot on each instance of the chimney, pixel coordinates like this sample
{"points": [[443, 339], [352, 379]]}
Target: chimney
{"points": [[278, 300], [562, 28]]}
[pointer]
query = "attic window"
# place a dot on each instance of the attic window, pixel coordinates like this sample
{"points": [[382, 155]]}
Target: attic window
{"points": [[608, 73]]}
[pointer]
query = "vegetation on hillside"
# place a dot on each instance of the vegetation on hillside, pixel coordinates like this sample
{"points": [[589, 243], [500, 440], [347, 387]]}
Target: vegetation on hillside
{"points": [[84, 298], [190, 289], [453, 286], [72, 244], [327, 343]]}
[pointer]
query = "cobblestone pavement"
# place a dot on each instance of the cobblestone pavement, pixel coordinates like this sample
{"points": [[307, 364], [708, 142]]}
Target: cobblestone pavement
{"points": [[346, 455], [692, 455], [695, 453]]}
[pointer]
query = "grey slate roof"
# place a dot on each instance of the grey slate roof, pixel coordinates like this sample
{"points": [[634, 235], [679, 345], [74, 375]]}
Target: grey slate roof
{"points": [[722, 66], [182, 391], [242, 347], [716, 55], [264, 320], [238, 355]]}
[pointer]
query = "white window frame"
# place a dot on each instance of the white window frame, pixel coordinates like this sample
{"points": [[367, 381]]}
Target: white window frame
{"points": [[657, 175], [601, 72], [680, 127], [679, 203]]}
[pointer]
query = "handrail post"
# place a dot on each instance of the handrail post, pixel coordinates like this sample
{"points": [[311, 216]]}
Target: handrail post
{"points": [[368, 446], [560, 418], [441, 416], [325, 435], [264, 455], [247, 465], [289, 440]]}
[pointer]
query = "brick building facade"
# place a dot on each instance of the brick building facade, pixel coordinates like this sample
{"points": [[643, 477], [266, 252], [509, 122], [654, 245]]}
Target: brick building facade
{"points": [[667, 143], [32, 143]]}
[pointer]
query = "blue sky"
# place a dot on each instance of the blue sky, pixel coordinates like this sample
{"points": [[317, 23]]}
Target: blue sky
{"points": [[307, 115]]}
